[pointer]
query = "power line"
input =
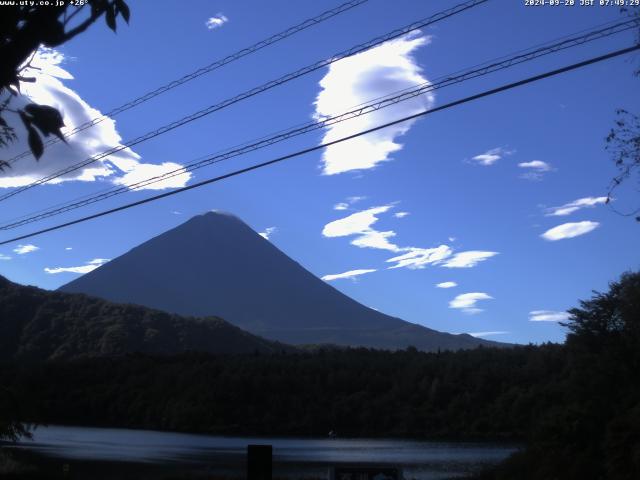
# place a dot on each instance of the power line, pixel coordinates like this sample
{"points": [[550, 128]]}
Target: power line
{"points": [[362, 109], [310, 22], [471, 98], [254, 91]]}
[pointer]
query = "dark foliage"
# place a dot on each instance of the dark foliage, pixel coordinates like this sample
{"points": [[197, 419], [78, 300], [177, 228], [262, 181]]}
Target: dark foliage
{"points": [[38, 325], [476, 394], [623, 141], [594, 433], [576, 406], [23, 29]]}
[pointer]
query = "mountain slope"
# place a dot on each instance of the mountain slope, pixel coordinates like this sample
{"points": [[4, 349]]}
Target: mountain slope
{"points": [[214, 264], [37, 324]]}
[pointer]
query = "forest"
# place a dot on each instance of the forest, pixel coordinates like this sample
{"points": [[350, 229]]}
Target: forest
{"points": [[38, 325], [575, 407]]}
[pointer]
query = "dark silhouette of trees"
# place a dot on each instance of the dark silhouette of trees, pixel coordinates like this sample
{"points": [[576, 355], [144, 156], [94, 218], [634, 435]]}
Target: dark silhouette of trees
{"points": [[593, 431], [11, 428], [623, 141], [613, 316], [575, 406], [23, 29]]}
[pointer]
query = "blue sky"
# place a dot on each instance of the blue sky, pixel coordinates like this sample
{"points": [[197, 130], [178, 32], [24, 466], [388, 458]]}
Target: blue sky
{"points": [[466, 196]]}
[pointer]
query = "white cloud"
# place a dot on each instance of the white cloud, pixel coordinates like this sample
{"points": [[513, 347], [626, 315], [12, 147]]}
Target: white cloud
{"points": [[376, 239], [548, 316], [268, 232], [466, 302], [487, 334], [419, 258], [468, 259], [69, 248], [360, 224], [23, 249], [569, 230], [352, 274], [4, 257], [216, 21], [537, 165], [346, 204], [358, 79], [490, 157], [48, 89], [400, 214], [569, 208], [90, 266], [537, 169], [447, 285]]}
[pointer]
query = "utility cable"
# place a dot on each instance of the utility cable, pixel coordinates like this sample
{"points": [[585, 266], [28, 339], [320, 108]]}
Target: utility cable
{"points": [[362, 109], [298, 153], [254, 91], [310, 22]]}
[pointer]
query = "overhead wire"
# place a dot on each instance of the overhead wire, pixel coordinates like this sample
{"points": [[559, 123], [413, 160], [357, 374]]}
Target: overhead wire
{"points": [[310, 22], [362, 109], [298, 153], [254, 91]]}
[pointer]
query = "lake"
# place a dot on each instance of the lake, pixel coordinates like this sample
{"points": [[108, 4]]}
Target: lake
{"points": [[292, 457]]}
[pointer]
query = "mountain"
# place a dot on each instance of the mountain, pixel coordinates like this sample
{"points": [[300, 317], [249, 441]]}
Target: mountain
{"points": [[37, 324], [215, 264]]}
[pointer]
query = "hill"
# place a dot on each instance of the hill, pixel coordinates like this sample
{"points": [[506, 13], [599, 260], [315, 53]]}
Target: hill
{"points": [[215, 264], [37, 324]]}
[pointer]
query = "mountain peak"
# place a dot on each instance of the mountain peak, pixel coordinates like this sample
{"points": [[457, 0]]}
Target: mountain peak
{"points": [[215, 264]]}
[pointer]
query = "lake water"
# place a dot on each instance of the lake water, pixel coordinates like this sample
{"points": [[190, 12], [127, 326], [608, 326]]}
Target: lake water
{"points": [[292, 457]]}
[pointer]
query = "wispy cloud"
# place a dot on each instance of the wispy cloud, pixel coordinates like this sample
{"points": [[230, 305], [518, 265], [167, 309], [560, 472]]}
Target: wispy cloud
{"points": [[348, 203], [569, 208], [490, 157], [24, 249], [400, 214], [268, 232], [361, 224], [419, 258], [487, 334], [216, 21], [468, 259], [466, 302], [537, 169], [548, 316], [4, 257], [351, 274], [68, 248], [358, 79], [48, 89], [447, 285], [90, 266], [569, 230]]}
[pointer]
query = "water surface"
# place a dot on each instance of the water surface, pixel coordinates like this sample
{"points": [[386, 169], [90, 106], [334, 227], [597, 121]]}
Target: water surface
{"points": [[292, 457]]}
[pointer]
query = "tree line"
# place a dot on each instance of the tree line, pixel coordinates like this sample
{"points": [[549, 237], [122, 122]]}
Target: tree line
{"points": [[575, 406]]}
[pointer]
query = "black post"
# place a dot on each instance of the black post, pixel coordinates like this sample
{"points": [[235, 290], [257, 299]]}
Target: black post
{"points": [[259, 462]]}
